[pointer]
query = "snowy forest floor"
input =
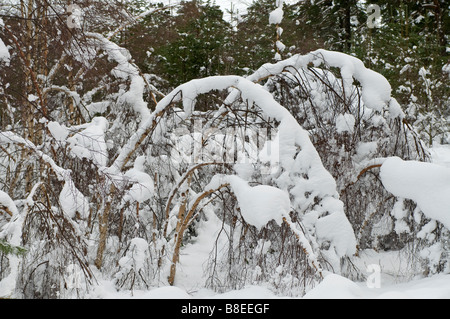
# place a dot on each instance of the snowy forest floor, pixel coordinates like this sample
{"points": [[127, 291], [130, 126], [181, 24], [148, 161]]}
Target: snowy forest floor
{"points": [[396, 283], [397, 280]]}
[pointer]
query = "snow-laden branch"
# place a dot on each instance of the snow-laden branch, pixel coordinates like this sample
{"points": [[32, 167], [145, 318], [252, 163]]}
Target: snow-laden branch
{"points": [[376, 90], [298, 156], [427, 184], [261, 204], [125, 70], [7, 204], [12, 138], [293, 135], [13, 234]]}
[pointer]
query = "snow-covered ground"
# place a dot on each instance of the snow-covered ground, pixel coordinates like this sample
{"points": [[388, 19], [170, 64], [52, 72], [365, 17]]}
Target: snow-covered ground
{"points": [[441, 155], [337, 287], [332, 287]]}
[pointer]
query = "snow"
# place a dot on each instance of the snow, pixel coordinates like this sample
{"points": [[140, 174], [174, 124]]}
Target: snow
{"points": [[338, 287], [248, 292], [136, 255], [399, 213], [73, 201], [4, 53], [440, 155], [428, 184], [32, 97], [125, 69], [143, 187], [393, 283], [7, 202], [58, 131], [376, 90], [280, 46], [106, 290], [345, 123], [10, 137], [97, 107], [446, 69], [396, 279], [338, 230], [319, 182], [304, 185], [12, 232], [260, 204], [333, 287], [134, 96], [276, 16], [190, 274], [365, 150], [90, 142], [168, 292]]}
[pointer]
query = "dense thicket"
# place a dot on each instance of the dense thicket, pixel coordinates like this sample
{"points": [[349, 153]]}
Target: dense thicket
{"points": [[127, 130]]}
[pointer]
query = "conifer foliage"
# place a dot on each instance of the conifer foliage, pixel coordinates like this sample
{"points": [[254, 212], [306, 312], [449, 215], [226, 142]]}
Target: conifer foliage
{"points": [[139, 142]]}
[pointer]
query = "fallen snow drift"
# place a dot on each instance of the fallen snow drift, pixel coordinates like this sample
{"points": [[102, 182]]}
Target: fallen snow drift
{"points": [[427, 184], [338, 287], [332, 287], [440, 155]]}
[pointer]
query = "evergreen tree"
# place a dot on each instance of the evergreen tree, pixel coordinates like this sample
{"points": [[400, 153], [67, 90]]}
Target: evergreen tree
{"points": [[330, 24], [201, 44], [409, 48], [255, 38], [144, 38]]}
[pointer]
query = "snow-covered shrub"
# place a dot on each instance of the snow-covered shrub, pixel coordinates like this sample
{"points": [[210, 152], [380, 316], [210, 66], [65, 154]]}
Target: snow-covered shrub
{"points": [[428, 185], [284, 161], [135, 266], [353, 133]]}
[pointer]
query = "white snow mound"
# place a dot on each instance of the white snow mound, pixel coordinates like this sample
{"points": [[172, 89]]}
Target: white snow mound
{"points": [[425, 183]]}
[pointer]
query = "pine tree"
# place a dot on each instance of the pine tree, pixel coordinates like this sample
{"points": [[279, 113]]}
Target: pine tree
{"points": [[201, 44], [410, 50], [255, 38]]}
